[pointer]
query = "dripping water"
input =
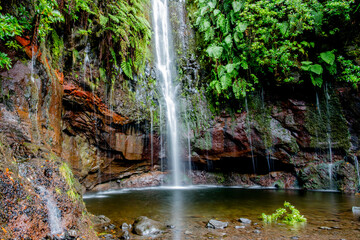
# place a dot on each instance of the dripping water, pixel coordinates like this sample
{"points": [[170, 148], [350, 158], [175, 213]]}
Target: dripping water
{"points": [[151, 137], [267, 150], [357, 169], [249, 134], [328, 136], [54, 215]]}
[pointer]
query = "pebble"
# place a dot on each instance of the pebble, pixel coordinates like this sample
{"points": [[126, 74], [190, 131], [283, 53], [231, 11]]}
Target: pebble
{"points": [[187, 232], [295, 238], [256, 231], [170, 226], [325, 228], [239, 227]]}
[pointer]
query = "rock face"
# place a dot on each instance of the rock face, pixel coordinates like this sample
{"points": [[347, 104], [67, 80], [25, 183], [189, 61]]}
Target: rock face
{"points": [[98, 140], [310, 139], [39, 195]]}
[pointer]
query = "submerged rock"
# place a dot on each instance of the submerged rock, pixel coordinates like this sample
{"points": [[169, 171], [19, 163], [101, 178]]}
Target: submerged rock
{"points": [[244, 220], [125, 235], [356, 211], [100, 220], [215, 224], [145, 226], [125, 226]]}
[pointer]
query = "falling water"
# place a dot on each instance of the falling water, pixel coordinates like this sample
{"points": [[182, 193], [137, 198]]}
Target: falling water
{"points": [[161, 155], [37, 85], [249, 134], [151, 138], [267, 151], [357, 168], [328, 135], [188, 140], [166, 74], [54, 215]]}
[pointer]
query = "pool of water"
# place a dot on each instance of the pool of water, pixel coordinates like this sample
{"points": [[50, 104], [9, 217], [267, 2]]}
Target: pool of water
{"points": [[190, 208]]}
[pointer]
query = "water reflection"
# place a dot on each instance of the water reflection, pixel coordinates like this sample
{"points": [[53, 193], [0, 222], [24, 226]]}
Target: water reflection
{"points": [[177, 212]]}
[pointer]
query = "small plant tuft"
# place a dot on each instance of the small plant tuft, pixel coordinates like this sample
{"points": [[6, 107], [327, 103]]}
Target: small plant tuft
{"points": [[282, 215]]}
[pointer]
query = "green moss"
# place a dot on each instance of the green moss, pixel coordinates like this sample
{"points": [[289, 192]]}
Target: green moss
{"points": [[261, 113], [204, 141], [70, 180], [57, 49], [220, 178]]}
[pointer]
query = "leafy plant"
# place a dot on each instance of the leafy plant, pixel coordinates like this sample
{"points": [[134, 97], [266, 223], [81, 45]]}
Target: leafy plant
{"points": [[350, 71], [9, 27], [247, 40], [283, 215]]}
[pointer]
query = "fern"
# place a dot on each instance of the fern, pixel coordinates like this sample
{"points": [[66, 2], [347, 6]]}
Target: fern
{"points": [[126, 67]]}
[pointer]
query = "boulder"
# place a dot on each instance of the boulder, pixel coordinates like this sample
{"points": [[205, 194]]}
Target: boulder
{"points": [[145, 226]]}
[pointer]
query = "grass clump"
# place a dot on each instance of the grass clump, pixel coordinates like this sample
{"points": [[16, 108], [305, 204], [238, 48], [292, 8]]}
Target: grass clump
{"points": [[283, 215]]}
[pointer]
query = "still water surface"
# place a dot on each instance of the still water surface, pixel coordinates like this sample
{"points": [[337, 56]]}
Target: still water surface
{"points": [[190, 208]]}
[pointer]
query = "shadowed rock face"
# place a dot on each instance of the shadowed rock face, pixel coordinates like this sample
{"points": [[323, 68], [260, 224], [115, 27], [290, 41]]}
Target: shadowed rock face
{"points": [[99, 143]]}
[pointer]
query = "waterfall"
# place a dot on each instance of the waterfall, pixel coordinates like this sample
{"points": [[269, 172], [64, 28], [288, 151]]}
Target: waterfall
{"points": [[166, 74]]}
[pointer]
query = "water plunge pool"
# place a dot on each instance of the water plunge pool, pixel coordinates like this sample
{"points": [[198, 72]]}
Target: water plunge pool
{"points": [[189, 209]]}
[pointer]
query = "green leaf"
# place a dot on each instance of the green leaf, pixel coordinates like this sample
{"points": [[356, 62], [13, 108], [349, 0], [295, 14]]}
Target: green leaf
{"points": [[216, 12], [221, 22], [212, 4], [228, 40], [214, 51], [284, 28], [204, 10], [241, 27], [316, 68], [103, 20], [225, 82], [306, 62], [316, 81], [244, 65], [328, 57], [126, 67], [204, 25], [237, 6], [230, 67], [305, 67]]}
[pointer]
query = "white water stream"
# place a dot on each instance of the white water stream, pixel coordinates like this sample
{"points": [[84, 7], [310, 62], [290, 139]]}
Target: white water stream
{"points": [[166, 75], [54, 215]]}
